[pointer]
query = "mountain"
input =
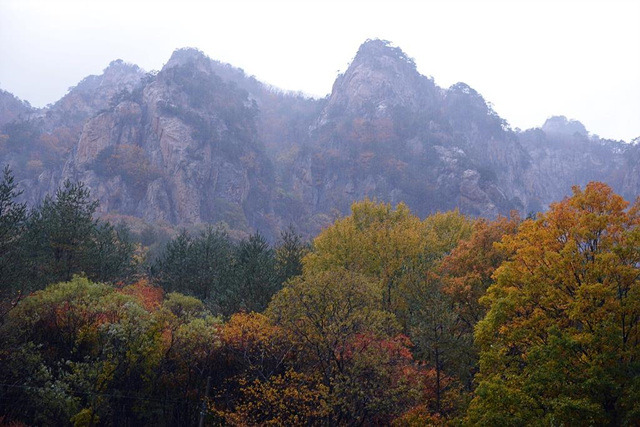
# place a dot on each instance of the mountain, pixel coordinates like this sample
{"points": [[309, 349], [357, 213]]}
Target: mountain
{"points": [[181, 147], [11, 108], [390, 133], [202, 142]]}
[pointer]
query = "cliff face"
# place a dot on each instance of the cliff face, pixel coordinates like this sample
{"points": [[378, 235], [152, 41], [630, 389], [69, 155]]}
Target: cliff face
{"points": [[38, 142], [92, 95], [182, 148], [560, 160], [11, 108], [389, 133], [381, 82], [630, 172], [200, 142]]}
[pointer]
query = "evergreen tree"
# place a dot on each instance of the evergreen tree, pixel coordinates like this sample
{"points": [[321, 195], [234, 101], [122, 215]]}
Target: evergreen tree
{"points": [[256, 275], [60, 232], [201, 266], [289, 253], [171, 268], [213, 259], [64, 239], [12, 255], [110, 254]]}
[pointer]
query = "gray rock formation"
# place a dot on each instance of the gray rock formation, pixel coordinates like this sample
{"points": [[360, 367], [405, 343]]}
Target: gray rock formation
{"points": [[201, 142], [181, 149], [11, 108]]}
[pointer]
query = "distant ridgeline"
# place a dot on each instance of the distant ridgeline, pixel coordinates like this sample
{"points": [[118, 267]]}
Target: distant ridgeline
{"points": [[201, 142]]}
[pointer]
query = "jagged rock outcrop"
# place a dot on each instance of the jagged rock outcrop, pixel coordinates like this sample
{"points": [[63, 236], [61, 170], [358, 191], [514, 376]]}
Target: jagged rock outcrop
{"points": [[201, 142], [40, 141], [560, 125], [630, 171], [12, 108], [389, 133], [561, 160], [93, 94], [182, 148], [381, 82]]}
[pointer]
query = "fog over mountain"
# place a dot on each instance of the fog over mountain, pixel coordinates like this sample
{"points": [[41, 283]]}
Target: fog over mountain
{"points": [[202, 142]]}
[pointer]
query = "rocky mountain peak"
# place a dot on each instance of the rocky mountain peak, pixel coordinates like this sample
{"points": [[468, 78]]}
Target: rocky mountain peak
{"points": [[12, 108], [118, 70], [201, 142], [380, 79], [379, 53], [189, 55], [563, 126], [94, 94]]}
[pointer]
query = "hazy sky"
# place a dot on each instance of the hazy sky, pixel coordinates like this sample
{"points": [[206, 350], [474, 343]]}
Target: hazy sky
{"points": [[531, 59]]}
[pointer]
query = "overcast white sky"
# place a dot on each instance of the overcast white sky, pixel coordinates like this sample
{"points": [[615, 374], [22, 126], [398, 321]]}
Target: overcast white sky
{"points": [[531, 59]]}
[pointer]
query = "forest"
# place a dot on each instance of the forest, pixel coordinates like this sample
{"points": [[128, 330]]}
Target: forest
{"points": [[383, 318]]}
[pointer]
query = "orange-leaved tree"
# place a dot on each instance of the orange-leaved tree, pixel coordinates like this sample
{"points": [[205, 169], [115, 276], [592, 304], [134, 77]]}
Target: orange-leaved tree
{"points": [[561, 342]]}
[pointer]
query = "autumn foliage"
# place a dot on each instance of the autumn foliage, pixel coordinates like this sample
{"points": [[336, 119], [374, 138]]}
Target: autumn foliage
{"points": [[385, 319], [561, 339]]}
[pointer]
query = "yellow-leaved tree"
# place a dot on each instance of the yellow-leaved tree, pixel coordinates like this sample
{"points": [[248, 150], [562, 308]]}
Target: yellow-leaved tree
{"points": [[389, 246], [561, 340], [398, 255]]}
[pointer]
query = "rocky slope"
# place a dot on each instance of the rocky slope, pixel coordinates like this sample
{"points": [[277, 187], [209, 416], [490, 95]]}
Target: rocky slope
{"points": [[11, 108], [563, 154], [182, 148], [201, 142], [389, 133], [39, 141]]}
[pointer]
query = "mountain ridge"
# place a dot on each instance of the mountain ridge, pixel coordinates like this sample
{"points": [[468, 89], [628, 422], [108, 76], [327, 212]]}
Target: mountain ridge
{"points": [[202, 142]]}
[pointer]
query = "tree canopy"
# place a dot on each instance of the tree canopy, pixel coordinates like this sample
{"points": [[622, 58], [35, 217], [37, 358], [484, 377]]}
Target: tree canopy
{"points": [[385, 319], [560, 341]]}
